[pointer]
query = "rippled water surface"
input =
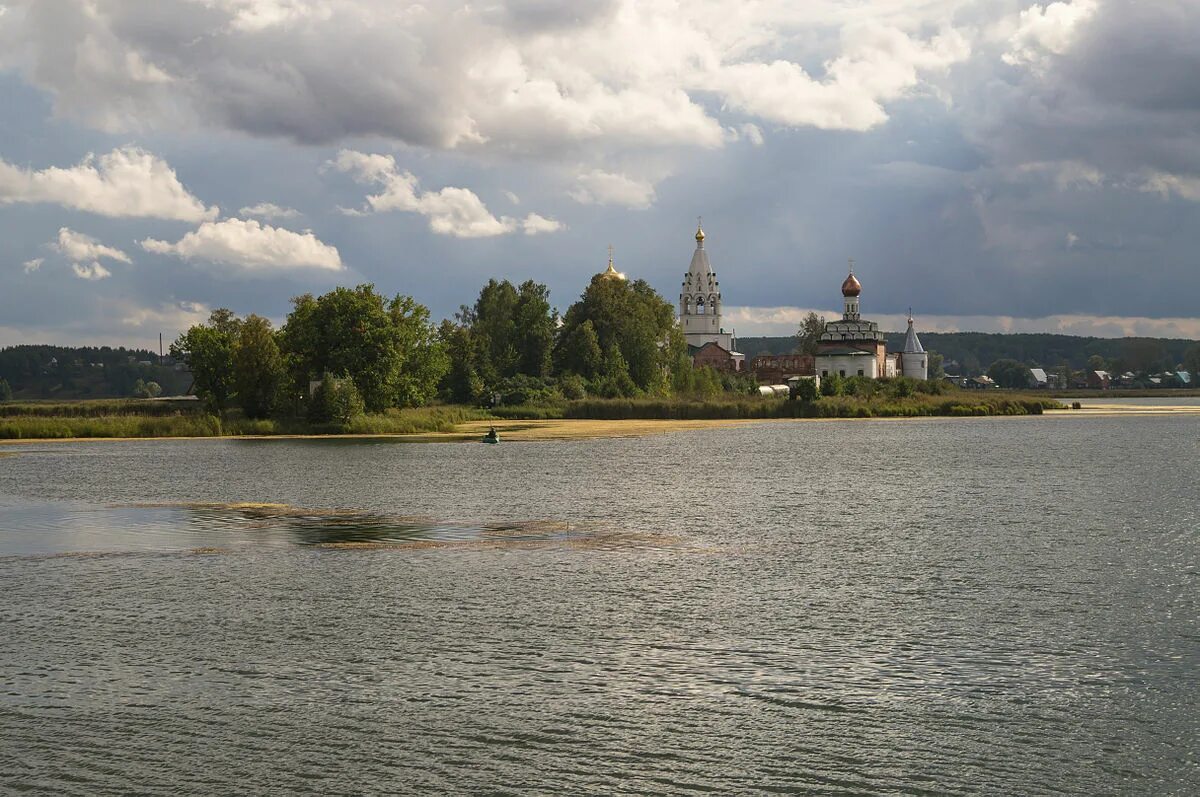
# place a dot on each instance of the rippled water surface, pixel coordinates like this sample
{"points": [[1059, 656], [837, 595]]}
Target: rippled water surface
{"points": [[979, 606]]}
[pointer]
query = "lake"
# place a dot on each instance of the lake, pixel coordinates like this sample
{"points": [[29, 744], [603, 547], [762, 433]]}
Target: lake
{"points": [[933, 606]]}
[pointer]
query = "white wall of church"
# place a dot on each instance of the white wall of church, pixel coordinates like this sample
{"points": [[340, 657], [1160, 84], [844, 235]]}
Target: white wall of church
{"points": [[915, 365], [847, 365]]}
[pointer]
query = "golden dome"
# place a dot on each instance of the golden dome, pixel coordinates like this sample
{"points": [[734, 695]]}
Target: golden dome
{"points": [[611, 272], [851, 287], [699, 234]]}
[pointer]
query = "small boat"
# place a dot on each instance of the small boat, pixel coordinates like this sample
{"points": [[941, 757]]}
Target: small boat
{"points": [[492, 436]]}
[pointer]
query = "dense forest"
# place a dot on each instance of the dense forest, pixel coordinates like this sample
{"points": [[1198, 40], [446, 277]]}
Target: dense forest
{"points": [[65, 372], [512, 344], [971, 353]]}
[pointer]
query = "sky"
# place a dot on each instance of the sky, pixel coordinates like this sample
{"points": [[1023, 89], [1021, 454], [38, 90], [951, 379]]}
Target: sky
{"points": [[995, 166]]}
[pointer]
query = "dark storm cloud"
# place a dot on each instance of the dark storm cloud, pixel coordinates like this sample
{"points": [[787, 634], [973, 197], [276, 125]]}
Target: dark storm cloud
{"points": [[1023, 165]]}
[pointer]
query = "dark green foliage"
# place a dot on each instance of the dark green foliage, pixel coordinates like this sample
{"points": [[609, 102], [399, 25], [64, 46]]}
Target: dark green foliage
{"points": [[208, 350], [335, 402], [528, 390], [830, 407], [257, 367], [533, 333], [579, 351], [935, 369], [635, 320], [832, 385], [6, 392], [860, 386], [386, 347], [509, 332], [810, 333], [572, 386], [1191, 363], [87, 372], [462, 383], [806, 390], [1010, 373], [972, 351]]}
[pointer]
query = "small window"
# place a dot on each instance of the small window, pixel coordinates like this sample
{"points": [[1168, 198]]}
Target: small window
{"points": [[860, 373], [842, 372], [824, 373]]}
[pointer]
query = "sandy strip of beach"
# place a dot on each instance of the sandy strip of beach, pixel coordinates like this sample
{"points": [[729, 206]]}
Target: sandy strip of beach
{"points": [[568, 429]]}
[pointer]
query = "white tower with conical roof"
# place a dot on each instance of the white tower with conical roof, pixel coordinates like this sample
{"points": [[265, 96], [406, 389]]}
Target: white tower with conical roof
{"points": [[700, 301], [914, 362]]}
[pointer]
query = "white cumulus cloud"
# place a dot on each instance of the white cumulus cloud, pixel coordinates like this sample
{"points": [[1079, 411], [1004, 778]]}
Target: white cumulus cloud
{"points": [[607, 188], [252, 246], [533, 224], [91, 272], [1046, 30], [451, 211], [33, 265], [128, 182], [269, 210], [79, 248], [1184, 186], [879, 64]]}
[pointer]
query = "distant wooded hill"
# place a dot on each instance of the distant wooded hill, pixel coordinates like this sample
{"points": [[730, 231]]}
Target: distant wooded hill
{"points": [[63, 372], [973, 352]]}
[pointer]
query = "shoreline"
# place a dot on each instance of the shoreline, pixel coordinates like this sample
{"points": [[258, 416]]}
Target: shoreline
{"points": [[588, 429]]}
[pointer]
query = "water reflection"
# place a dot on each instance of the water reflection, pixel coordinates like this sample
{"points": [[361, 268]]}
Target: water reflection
{"points": [[63, 528]]}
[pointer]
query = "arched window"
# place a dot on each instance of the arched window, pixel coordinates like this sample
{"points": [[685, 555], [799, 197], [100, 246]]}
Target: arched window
{"points": [[699, 305], [687, 305]]}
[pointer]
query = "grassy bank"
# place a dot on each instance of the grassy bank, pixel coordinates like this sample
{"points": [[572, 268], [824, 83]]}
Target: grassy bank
{"points": [[953, 404], [97, 419], [127, 420]]}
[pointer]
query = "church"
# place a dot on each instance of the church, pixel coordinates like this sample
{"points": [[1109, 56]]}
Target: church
{"points": [[700, 314], [849, 346], [854, 346]]}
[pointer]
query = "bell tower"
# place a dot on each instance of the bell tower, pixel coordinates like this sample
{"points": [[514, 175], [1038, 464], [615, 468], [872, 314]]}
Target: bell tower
{"points": [[700, 300]]}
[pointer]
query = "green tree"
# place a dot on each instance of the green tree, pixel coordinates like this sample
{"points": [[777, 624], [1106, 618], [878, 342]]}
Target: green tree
{"points": [[257, 367], [1191, 364], [533, 323], [493, 325], [811, 329], [6, 392], [579, 351], [634, 319], [1010, 373], [1143, 355], [806, 390], [461, 383], [208, 351], [614, 380], [336, 401], [832, 385], [935, 363], [388, 348], [1097, 363]]}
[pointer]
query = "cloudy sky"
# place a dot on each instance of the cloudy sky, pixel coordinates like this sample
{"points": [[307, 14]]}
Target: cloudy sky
{"points": [[995, 165]]}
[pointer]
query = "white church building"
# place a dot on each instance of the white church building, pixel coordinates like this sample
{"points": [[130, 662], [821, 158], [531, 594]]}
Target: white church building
{"points": [[854, 346], [700, 313]]}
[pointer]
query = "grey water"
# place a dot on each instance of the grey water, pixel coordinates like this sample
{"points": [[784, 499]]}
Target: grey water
{"points": [[942, 606]]}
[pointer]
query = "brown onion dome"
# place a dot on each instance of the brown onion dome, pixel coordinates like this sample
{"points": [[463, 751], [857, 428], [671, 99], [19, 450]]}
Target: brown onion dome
{"points": [[851, 287]]}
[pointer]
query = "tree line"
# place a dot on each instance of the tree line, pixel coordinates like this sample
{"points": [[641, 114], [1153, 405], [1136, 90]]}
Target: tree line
{"points": [[973, 353], [353, 350]]}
